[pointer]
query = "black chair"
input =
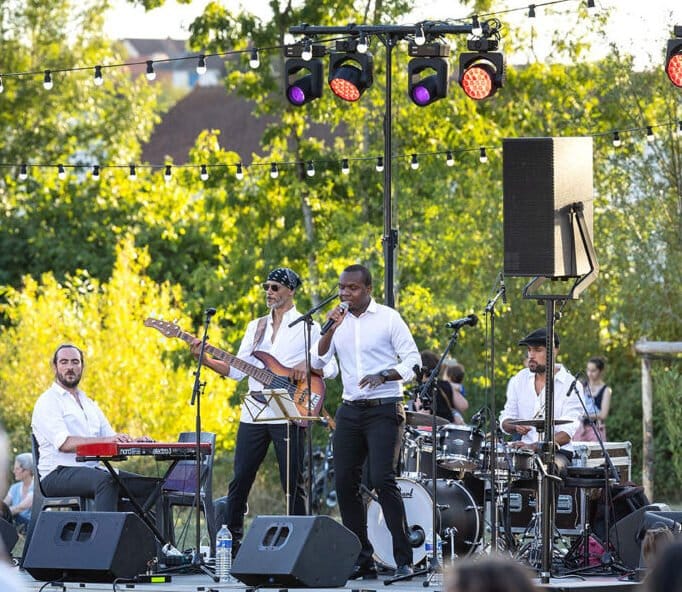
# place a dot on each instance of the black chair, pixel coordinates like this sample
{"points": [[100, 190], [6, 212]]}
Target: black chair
{"points": [[180, 486], [43, 502]]}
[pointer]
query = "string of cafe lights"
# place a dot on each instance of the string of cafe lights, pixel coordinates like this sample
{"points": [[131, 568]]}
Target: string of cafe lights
{"points": [[310, 167]]}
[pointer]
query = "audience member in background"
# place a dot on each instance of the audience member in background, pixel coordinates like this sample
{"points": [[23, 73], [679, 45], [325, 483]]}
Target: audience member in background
{"points": [[666, 575], [488, 574], [9, 580], [597, 400], [19, 498], [654, 542], [454, 374], [450, 402]]}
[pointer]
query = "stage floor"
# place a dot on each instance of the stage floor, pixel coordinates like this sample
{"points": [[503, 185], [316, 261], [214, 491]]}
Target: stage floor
{"points": [[202, 583]]}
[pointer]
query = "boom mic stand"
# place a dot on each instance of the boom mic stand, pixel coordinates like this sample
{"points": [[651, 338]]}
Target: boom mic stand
{"points": [[307, 317], [424, 393], [197, 564]]}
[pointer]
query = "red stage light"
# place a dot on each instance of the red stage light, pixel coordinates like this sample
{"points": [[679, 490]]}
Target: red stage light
{"points": [[674, 69], [480, 74], [350, 74]]}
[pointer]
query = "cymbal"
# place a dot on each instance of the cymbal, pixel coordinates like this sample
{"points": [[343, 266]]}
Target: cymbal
{"points": [[416, 418], [538, 424]]}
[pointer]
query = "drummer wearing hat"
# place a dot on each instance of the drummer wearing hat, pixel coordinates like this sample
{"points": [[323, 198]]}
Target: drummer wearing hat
{"points": [[526, 400]]}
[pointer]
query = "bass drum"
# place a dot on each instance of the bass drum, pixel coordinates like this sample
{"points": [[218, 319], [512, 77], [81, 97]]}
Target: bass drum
{"points": [[458, 515]]}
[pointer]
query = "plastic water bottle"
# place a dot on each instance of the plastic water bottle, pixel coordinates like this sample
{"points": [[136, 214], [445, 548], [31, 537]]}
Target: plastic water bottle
{"points": [[437, 578], [223, 555]]}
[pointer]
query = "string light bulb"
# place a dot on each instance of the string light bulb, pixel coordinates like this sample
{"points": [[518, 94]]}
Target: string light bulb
{"points": [[679, 128], [61, 172], [254, 60], [345, 167], [362, 45], [483, 155], [531, 11], [476, 28], [414, 162], [650, 134], [310, 170], [616, 140], [23, 172], [449, 158], [307, 51], [239, 173], [167, 175], [47, 80], [274, 171], [419, 37], [380, 164], [132, 174], [2, 88], [151, 75], [95, 172], [201, 65], [203, 174], [98, 80]]}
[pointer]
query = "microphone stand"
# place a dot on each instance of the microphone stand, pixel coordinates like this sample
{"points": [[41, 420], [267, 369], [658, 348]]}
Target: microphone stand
{"points": [[307, 317], [490, 310], [198, 564], [426, 390]]}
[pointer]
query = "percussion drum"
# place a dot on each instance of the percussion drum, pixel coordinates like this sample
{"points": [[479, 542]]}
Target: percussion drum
{"points": [[459, 446], [458, 513], [511, 464]]}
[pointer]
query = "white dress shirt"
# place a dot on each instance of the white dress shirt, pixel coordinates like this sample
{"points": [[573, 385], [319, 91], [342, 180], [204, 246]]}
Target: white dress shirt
{"points": [[288, 349], [524, 403], [377, 340], [56, 416]]}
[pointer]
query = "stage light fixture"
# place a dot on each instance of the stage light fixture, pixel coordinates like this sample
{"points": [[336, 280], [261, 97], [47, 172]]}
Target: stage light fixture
{"points": [[351, 73], [427, 73], [481, 73], [303, 78], [673, 58]]}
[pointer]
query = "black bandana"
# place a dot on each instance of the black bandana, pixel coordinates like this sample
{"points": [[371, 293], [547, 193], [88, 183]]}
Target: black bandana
{"points": [[286, 277]]}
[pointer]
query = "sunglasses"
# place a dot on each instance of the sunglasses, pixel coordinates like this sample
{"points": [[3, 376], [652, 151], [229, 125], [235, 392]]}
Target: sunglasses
{"points": [[273, 287]]}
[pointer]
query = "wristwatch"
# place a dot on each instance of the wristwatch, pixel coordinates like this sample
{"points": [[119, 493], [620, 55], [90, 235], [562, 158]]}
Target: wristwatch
{"points": [[385, 374]]}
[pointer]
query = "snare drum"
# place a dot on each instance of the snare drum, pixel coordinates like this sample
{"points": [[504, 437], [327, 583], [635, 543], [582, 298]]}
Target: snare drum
{"points": [[459, 520], [513, 464], [459, 446]]}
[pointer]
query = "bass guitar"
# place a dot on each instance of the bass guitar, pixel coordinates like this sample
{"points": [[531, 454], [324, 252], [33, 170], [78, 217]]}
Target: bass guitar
{"points": [[273, 376]]}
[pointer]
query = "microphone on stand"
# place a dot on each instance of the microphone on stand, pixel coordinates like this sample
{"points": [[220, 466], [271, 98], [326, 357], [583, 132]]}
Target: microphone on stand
{"points": [[328, 325], [575, 381], [478, 418], [209, 312], [503, 288], [471, 321]]}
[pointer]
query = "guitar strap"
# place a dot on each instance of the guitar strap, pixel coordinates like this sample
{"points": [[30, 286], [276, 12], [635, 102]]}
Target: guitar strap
{"points": [[257, 340]]}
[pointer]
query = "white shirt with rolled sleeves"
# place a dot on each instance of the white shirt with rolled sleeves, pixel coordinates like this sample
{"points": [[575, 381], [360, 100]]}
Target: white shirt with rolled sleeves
{"points": [[56, 416], [288, 349], [524, 403], [377, 340]]}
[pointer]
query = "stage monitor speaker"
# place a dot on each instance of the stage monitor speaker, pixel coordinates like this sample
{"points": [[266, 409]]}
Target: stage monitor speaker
{"points": [[541, 177], [8, 535], [89, 547], [627, 534], [296, 551]]}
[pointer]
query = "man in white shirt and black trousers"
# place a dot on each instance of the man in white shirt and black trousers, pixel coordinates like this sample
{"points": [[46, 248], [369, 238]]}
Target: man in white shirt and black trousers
{"points": [[376, 352]]}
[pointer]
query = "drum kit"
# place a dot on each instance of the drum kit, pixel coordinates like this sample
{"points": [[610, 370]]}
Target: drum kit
{"points": [[466, 469]]}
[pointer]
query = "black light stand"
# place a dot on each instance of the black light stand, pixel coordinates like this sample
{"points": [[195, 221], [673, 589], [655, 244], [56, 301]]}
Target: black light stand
{"points": [[490, 310], [425, 393], [197, 564], [308, 318]]}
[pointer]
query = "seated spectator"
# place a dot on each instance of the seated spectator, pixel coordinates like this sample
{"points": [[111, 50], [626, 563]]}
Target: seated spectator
{"points": [[666, 575], [488, 574], [19, 498]]}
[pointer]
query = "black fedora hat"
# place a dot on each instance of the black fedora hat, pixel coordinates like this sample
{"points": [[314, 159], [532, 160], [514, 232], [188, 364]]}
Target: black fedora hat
{"points": [[539, 337]]}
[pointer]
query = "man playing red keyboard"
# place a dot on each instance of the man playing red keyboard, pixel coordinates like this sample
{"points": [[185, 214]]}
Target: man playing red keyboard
{"points": [[64, 417]]}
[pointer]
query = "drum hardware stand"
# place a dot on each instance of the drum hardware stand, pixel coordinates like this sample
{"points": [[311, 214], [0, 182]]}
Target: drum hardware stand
{"points": [[490, 310], [307, 317], [426, 390]]}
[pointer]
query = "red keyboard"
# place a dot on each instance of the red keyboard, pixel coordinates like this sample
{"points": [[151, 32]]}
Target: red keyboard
{"points": [[159, 450]]}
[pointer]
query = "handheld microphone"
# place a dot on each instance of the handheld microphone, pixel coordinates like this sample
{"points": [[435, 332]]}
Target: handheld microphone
{"points": [[470, 320], [328, 325]]}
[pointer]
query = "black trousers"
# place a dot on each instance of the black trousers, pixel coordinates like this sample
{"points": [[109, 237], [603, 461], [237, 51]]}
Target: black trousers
{"points": [[372, 433], [253, 440], [98, 484]]}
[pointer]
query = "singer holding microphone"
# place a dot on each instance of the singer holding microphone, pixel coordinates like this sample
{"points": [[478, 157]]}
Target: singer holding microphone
{"points": [[272, 334], [526, 400], [376, 352]]}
